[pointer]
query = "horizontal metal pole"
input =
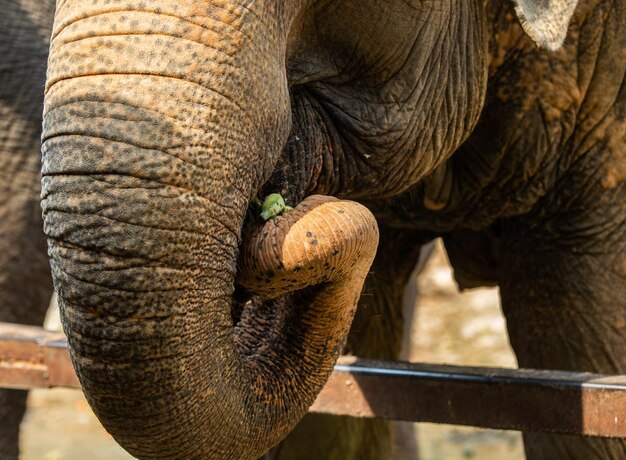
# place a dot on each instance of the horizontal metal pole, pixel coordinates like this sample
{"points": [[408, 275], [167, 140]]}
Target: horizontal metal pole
{"points": [[31, 357], [515, 399], [511, 399]]}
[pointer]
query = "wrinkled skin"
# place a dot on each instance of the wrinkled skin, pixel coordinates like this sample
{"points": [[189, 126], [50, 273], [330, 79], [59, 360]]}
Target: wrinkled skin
{"points": [[534, 201], [25, 283], [164, 120]]}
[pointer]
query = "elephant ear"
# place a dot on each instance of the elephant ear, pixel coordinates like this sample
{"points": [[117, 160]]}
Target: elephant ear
{"points": [[546, 21]]}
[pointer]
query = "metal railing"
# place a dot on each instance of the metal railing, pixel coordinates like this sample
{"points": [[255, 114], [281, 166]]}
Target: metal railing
{"points": [[516, 399]]}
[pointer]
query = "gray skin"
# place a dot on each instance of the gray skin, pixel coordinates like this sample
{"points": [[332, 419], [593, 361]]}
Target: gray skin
{"points": [[164, 120], [25, 282]]}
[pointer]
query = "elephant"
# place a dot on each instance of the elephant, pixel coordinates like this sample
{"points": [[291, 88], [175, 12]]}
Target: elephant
{"points": [[25, 281], [199, 331]]}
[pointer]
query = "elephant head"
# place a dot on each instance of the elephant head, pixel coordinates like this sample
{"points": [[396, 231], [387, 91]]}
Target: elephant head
{"points": [[163, 120]]}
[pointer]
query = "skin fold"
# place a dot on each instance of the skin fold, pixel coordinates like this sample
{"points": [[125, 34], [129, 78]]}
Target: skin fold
{"points": [[193, 334]]}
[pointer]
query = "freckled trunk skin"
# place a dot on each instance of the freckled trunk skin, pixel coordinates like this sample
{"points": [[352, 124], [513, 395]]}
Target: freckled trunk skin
{"points": [[376, 333], [153, 146]]}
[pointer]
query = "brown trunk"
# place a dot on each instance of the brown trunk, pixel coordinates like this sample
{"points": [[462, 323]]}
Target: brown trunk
{"points": [[160, 124]]}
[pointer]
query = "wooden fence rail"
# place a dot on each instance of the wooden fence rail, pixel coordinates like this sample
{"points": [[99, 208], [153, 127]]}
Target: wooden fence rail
{"points": [[517, 399]]}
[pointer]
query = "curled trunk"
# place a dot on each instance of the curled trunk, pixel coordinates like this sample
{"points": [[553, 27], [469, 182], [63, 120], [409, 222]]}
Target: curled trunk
{"points": [[160, 125]]}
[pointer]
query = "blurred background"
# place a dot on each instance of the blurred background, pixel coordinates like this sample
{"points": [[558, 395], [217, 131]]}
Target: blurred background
{"points": [[449, 327]]}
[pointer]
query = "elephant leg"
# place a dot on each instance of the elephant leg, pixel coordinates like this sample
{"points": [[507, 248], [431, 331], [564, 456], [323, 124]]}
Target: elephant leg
{"points": [[25, 282], [376, 333], [564, 296], [12, 409], [25, 289]]}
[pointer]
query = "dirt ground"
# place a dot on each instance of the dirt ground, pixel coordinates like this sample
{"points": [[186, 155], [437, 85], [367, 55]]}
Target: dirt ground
{"points": [[466, 329], [448, 327]]}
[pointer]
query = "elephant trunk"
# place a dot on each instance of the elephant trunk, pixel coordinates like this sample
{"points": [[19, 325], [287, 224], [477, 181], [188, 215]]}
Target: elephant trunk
{"points": [[162, 120]]}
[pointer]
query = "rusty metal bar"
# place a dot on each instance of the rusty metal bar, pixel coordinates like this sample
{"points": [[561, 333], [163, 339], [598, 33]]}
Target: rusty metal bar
{"points": [[33, 358], [515, 399], [512, 399]]}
